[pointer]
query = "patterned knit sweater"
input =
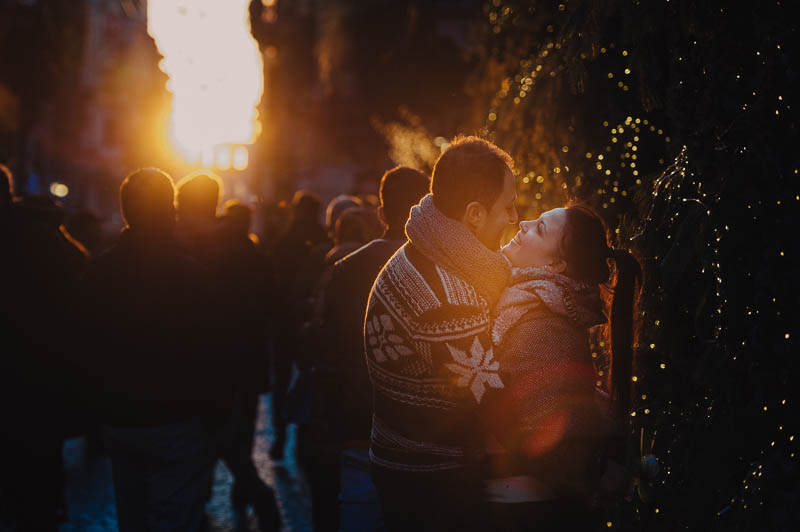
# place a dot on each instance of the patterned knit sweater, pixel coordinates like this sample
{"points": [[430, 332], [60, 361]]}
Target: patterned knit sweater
{"points": [[428, 347]]}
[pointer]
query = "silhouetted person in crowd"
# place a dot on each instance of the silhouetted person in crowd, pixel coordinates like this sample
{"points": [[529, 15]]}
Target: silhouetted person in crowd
{"points": [[345, 395], [312, 267], [196, 230], [273, 218], [355, 227], [242, 276], [50, 215], [428, 345], [317, 451], [291, 252], [336, 207], [86, 228], [154, 362], [39, 268]]}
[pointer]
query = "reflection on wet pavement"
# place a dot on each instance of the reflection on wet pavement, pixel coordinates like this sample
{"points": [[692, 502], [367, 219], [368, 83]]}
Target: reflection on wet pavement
{"points": [[90, 496]]}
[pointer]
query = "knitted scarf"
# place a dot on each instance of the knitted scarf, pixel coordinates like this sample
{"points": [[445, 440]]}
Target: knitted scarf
{"points": [[535, 288], [449, 244]]}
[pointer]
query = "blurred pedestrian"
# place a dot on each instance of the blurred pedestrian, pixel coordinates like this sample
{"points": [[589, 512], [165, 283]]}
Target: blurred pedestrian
{"points": [[291, 304], [317, 448], [154, 362], [345, 392], [196, 229], [86, 227], [241, 276], [40, 267]]}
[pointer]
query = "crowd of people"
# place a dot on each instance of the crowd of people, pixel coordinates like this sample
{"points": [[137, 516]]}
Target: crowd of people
{"points": [[437, 380]]}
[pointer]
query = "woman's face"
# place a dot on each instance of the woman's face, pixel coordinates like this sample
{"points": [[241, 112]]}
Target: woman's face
{"points": [[536, 243]]}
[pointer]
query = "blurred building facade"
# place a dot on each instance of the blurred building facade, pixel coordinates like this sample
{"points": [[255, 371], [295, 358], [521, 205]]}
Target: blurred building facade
{"points": [[345, 86]]}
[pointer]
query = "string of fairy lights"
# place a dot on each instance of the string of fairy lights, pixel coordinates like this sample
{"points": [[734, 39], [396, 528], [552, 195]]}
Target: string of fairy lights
{"points": [[686, 213], [617, 160]]}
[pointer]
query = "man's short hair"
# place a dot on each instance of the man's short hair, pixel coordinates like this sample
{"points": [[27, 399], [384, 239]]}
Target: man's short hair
{"points": [[198, 194], [147, 198], [470, 169], [401, 188]]}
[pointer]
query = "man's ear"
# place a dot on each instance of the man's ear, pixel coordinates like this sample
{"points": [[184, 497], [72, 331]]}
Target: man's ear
{"points": [[474, 216], [557, 265]]}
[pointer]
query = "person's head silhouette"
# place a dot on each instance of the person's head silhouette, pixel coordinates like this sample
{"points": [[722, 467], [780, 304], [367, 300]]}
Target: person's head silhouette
{"points": [[198, 195], [147, 200], [401, 188]]}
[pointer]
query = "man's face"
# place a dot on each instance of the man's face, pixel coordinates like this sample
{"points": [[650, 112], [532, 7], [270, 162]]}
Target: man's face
{"points": [[490, 230]]}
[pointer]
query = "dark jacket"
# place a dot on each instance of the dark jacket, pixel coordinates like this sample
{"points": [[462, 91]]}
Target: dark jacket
{"points": [[297, 263], [38, 272], [248, 308], [243, 279], [348, 396], [152, 349]]}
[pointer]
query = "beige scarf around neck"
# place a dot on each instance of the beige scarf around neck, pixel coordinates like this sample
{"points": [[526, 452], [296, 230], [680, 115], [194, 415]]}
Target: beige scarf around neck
{"points": [[448, 243], [538, 288]]}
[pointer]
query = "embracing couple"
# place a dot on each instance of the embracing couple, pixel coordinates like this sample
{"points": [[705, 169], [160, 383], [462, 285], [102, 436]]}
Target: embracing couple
{"points": [[486, 414]]}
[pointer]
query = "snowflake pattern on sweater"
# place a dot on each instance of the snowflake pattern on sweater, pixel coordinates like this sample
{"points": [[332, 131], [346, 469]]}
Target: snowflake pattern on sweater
{"points": [[477, 370]]}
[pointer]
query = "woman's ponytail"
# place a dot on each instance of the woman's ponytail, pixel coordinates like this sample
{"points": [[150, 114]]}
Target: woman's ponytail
{"points": [[584, 246]]}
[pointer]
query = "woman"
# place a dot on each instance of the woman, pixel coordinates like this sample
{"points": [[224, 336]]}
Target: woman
{"points": [[551, 424]]}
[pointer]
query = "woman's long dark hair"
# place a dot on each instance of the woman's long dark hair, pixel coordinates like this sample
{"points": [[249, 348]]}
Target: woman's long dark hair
{"points": [[585, 248]]}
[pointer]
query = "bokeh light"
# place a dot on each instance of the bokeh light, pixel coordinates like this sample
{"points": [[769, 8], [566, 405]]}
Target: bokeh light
{"points": [[59, 190]]}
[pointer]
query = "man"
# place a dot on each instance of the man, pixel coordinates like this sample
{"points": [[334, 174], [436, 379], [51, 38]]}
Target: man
{"points": [[196, 229], [241, 275], [151, 359], [38, 270], [291, 252], [342, 406], [426, 336], [346, 296]]}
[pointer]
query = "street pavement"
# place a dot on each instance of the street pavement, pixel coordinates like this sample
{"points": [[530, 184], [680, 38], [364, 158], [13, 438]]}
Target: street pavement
{"points": [[90, 496]]}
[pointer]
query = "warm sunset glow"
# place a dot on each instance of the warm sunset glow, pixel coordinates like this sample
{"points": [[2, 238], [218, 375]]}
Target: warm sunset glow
{"points": [[215, 71]]}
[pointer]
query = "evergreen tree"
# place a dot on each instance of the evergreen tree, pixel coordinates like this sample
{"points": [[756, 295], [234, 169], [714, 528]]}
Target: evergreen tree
{"points": [[675, 119]]}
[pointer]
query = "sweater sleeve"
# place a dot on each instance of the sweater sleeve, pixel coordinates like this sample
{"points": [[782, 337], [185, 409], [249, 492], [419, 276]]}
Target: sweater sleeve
{"points": [[547, 416]]}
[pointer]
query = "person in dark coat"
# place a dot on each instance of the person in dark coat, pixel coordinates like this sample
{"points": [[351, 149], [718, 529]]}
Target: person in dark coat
{"points": [[86, 227], [317, 453], [252, 286], [38, 271], [347, 397], [154, 362], [249, 280], [242, 276], [291, 252]]}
